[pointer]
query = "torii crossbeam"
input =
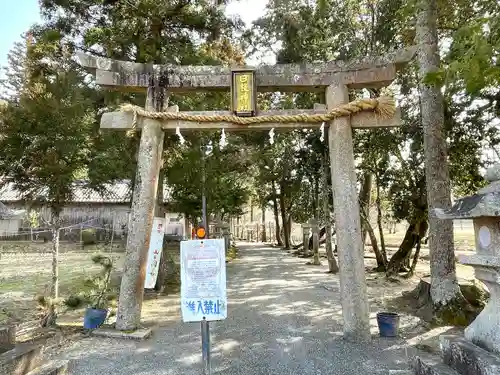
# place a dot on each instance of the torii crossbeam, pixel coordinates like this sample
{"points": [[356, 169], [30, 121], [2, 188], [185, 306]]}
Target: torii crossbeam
{"points": [[335, 78]]}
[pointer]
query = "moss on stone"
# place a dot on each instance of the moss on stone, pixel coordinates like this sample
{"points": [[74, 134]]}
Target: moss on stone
{"points": [[457, 312], [475, 294], [460, 311]]}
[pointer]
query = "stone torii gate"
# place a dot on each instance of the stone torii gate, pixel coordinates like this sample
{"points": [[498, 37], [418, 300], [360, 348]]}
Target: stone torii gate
{"points": [[334, 78]]}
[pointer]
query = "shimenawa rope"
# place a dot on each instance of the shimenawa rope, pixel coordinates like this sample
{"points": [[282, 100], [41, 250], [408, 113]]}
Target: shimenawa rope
{"points": [[383, 106]]}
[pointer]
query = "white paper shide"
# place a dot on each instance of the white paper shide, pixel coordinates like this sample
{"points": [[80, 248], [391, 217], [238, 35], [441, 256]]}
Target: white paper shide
{"points": [[154, 252], [203, 280]]}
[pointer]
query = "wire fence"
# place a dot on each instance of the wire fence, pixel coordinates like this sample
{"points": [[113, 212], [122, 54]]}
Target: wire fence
{"points": [[93, 230]]}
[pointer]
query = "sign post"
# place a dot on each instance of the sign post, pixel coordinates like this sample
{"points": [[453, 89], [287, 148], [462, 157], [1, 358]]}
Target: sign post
{"points": [[205, 346], [203, 287]]}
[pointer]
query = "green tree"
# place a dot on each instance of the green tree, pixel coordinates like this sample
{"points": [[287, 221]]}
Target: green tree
{"points": [[222, 171], [145, 31], [378, 26], [46, 130]]}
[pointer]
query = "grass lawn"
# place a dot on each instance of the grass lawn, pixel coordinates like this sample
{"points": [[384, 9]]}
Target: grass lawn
{"points": [[464, 239], [26, 273]]}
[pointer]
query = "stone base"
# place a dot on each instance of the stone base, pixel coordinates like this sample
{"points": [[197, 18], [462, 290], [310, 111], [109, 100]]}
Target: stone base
{"points": [[485, 330], [139, 334], [459, 357]]}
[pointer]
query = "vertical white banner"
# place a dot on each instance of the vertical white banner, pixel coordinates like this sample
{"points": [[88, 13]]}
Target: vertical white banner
{"points": [[203, 280], [154, 252]]}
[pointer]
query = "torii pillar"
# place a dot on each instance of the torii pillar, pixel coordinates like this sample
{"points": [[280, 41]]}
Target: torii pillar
{"points": [[353, 291]]}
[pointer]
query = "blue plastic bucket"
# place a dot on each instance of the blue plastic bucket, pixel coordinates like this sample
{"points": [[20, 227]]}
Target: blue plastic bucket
{"points": [[388, 324], [94, 318]]}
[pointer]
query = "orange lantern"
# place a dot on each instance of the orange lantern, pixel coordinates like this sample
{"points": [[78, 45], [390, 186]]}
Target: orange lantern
{"points": [[201, 233]]}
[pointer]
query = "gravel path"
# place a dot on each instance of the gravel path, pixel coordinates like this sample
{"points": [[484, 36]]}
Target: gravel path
{"points": [[284, 317]]}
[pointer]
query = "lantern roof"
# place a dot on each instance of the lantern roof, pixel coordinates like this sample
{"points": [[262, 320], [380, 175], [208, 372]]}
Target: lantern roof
{"points": [[485, 203]]}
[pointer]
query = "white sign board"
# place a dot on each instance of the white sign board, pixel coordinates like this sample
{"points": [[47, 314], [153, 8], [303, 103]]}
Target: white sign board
{"points": [[203, 280], [154, 252]]}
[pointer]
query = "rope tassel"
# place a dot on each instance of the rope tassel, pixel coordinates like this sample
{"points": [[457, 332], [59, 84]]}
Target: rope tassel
{"points": [[178, 133], [222, 142], [271, 136], [384, 106]]}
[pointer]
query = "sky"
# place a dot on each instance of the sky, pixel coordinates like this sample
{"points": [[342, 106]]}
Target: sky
{"points": [[22, 14], [15, 18]]}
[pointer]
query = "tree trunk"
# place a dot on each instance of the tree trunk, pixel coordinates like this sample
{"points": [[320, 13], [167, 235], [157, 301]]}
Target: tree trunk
{"points": [[379, 223], [54, 286], [51, 314], [444, 285], [365, 200], [316, 199], [381, 264], [333, 267], [411, 272], [251, 210], [237, 228], [263, 237], [286, 233], [315, 245], [187, 229], [416, 230], [276, 215], [289, 227], [407, 262]]}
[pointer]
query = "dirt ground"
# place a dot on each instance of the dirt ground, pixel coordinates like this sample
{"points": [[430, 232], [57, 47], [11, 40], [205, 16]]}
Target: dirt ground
{"points": [[25, 273]]}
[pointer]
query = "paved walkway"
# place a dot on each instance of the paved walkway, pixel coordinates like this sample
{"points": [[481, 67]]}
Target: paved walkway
{"points": [[284, 317]]}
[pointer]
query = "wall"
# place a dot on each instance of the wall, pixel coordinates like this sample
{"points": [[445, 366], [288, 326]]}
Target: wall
{"points": [[101, 217], [77, 213], [175, 225], [9, 226]]}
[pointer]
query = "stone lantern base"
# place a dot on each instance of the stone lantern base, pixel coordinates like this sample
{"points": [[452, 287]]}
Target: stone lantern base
{"points": [[485, 329]]}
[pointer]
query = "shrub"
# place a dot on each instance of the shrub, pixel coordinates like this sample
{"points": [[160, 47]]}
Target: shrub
{"points": [[89, 237]]}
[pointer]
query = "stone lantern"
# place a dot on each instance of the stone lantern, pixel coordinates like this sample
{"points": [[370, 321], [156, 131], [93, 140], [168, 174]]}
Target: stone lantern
{"points": [[484, 210]]}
